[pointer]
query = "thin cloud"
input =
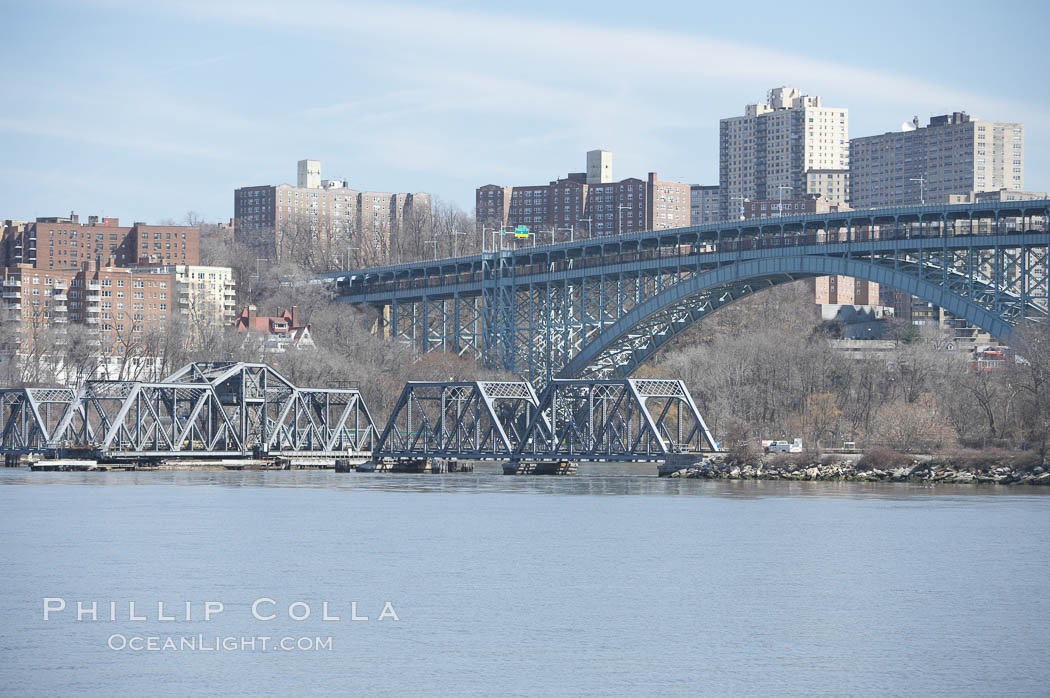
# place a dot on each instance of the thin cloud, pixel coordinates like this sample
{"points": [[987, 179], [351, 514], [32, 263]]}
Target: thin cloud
{"points": [[193, 64], [63, 131], [566, 49]]}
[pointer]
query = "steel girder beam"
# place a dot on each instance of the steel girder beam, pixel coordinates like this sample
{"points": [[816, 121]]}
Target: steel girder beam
{"points": [[614, 420], [135, 419], [458, 419]]}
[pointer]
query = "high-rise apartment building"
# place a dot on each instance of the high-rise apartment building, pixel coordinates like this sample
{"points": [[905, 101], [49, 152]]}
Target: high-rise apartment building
{"points": [[769, 151], [66, 243], [121, 305], [275, 218], [845, 290], [704, 204], [953, 156], [576, 202]]}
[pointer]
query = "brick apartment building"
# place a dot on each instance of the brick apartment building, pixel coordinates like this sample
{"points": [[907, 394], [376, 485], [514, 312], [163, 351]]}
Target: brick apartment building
{"points": [[66, 243], [273, 219], [125, 284], [590, 202], [122, 304]]}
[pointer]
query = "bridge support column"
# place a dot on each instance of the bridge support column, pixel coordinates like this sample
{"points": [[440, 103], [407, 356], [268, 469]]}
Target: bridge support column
{"points": [[381, 325]]}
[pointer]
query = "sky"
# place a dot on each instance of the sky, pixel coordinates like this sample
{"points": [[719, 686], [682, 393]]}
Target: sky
{"points": [[149, 110]]}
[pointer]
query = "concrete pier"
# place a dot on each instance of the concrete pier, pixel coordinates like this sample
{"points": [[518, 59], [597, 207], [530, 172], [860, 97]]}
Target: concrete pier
{"points": [[562, 467], [679, 461], [414, 465]]}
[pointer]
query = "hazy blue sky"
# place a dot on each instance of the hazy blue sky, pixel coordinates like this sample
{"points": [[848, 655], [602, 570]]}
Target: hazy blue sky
{"points": [[146, 110]]}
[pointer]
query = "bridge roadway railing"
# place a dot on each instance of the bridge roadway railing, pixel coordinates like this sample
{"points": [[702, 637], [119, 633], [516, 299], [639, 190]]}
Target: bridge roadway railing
{"points": [[474, 283]]}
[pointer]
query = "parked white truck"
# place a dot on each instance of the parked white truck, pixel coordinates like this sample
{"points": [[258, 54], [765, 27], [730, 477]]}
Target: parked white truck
{"points": [[782, 446]]}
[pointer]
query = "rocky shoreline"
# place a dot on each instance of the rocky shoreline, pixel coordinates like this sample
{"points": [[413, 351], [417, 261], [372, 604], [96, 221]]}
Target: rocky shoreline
{"points": [[920, 470]]}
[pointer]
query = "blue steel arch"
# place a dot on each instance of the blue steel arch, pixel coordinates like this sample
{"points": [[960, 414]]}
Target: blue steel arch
{"points": [[611, 351], [599, 306]]}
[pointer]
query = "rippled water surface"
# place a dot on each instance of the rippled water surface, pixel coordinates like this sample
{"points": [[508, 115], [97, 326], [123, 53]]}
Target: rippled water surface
{"points": [[613, 583]]}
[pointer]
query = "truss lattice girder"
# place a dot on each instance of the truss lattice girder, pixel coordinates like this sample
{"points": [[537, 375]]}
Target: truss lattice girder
{"points": [[30, 416], [458, 420], [613, 420], [216, 409]]}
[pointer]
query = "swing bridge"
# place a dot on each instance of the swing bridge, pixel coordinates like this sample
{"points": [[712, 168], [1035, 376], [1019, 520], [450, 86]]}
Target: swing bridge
{"points": [[248, 410]]}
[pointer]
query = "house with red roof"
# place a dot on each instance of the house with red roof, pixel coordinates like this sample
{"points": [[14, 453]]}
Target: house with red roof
{"points": [[279, 333]]}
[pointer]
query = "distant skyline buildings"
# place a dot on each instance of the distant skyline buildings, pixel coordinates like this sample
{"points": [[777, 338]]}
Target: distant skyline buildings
{"points": [[589, 201], [323, 213], [704, 204]]}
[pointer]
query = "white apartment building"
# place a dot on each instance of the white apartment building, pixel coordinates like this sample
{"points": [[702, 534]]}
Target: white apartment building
{"points": [[204, 296], [767, 152]]}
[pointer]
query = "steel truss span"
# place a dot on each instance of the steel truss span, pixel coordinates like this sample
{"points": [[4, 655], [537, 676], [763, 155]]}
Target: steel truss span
{"points": [[202, 410], [616, 420], [467, 420], [599, 308], [572, 420]]}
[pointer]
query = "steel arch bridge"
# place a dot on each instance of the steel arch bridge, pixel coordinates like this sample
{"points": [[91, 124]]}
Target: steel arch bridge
{"points": [[598, 308]]}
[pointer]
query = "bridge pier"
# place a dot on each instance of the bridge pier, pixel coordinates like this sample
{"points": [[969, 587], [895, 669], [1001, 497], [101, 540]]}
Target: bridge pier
{"points": [[560, 467], [679, 461], [414, 466]]}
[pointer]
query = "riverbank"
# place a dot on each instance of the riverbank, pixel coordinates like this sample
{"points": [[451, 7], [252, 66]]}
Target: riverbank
{"points": [[924, 469]]}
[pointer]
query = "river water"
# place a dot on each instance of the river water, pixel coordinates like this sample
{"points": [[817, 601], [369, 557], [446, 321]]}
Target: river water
{"points": [[616, 585]]}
